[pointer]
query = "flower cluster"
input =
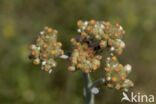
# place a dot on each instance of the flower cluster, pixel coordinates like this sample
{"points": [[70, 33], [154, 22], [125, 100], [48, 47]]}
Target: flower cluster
{"points": [[116, 74], [84, 58], [95, 37], [46, 49], [106, 34]]}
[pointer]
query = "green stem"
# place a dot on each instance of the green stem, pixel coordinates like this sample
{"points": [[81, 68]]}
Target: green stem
{"points": [[88, 95]]}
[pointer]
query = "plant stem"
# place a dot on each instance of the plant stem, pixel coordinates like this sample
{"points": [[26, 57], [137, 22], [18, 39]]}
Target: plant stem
{"points": [[88, 95], [94, 84]]}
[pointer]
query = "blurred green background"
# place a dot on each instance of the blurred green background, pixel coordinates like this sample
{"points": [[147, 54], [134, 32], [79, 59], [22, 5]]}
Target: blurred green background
{"points": [[21, 82]]}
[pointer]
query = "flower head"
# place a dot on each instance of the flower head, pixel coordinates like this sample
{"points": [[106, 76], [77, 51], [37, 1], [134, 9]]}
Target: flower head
{"points": [[95, 37], [46, 49], [116, 74]]}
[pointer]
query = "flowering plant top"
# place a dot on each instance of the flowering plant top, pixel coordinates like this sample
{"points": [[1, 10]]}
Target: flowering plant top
{"points": [[87, 55]]}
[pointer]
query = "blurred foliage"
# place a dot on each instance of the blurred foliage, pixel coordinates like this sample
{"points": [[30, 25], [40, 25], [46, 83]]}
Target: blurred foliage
{"points": [[21, 20]]}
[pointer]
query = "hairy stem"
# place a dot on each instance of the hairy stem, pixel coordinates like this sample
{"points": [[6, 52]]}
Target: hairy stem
{"points": [[88, 95]]}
